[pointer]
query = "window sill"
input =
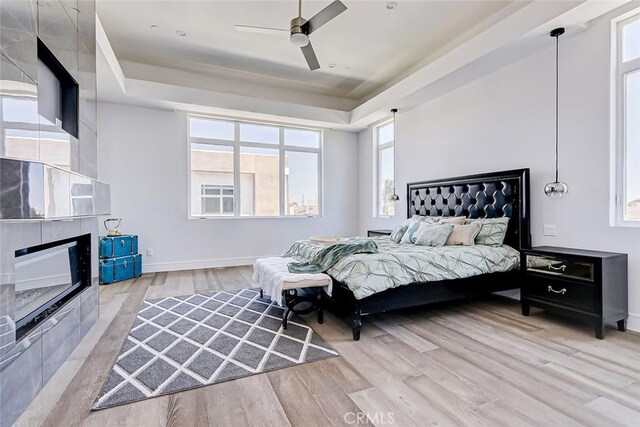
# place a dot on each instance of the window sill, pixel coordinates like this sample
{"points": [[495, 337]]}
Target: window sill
{"points": [[217, 218], [626, 224]]}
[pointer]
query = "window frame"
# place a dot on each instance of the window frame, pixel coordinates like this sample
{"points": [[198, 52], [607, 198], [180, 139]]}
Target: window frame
{"points": [[619, 71], [377, 174], [236, 144]]}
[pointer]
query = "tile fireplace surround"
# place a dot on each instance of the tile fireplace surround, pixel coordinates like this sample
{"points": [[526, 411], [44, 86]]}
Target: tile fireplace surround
{"points": [[26, 366], [67, 30]]}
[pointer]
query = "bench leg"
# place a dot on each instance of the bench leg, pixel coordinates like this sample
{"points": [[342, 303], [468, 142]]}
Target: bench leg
{"points": [[261, 294], [285, 317], [319, 305]]}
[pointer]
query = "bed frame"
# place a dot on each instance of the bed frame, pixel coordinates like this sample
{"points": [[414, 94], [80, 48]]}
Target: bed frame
{"points": [[489, 195]]}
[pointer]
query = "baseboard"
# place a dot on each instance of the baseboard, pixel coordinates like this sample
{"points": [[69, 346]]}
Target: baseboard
{"points": [[193, 265], [633, 322]]}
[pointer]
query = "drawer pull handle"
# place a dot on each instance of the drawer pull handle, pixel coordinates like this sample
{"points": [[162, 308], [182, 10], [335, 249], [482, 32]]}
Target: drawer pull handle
{"points": [[561, 291], [122, 244], [561, 268], [124, 264]]}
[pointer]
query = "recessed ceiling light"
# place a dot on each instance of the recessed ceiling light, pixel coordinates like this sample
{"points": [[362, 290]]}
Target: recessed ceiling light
{"points": [[332, 65], [181, 33], [392, 5], [155, 27]]}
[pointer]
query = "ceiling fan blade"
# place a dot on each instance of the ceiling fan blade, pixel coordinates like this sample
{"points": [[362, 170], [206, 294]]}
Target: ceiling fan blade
{"points": [[310, 56], [260, 30], [324, 16]]}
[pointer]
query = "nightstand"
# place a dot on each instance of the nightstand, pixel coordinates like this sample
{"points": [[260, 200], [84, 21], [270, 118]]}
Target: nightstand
{"points": [[588, 286], [376, 233]]}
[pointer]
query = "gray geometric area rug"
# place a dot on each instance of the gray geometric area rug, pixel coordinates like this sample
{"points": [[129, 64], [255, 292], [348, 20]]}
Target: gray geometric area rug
{"points": [[185, 342]]}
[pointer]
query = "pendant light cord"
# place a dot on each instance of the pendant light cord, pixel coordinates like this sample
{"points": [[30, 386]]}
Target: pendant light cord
{"points": [[557, 102]]}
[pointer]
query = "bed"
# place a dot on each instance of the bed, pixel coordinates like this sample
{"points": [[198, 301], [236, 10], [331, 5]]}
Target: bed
{"points": [[403, 275]]}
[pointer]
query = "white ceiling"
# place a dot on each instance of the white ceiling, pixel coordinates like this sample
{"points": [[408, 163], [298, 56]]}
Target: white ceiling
{"points": [[369, 44]]}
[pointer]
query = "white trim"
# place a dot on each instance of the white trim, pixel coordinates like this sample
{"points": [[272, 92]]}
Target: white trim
{"points": [[633, 322], [194, 265]]}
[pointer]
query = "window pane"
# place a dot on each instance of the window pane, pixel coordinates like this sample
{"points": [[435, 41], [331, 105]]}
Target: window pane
{"points": [[210, 190], [302, 138], [211, 167], [227, 191], [259, 133], [632, 148], [385, 133], [211, 206], [385, 185], [259, 181], [301, 183], [214, 129], [227, 205], [631, 41]]}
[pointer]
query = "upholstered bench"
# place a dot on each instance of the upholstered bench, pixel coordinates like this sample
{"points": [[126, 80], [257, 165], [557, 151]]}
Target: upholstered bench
{"points": [[272, 276]]}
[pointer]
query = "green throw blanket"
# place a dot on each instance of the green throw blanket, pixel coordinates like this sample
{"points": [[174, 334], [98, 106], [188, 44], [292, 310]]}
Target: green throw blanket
{"points": [[329, 256]]}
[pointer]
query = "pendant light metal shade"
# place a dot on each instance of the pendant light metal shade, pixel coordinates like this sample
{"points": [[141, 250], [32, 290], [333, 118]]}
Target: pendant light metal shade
{"points": [[556, 189], [394, 197]]}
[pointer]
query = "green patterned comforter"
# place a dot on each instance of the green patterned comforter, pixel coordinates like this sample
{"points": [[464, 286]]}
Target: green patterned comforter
{"points": [[398, 264]]}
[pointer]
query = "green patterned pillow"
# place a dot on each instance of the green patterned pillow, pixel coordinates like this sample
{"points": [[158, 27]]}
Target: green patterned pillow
{"points": [[411, 234], [435, 235], [492, 231], [397, 233]]}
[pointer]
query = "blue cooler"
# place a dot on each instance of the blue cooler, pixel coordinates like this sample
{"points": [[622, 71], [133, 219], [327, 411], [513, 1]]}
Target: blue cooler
{"points": [[119, 259]]}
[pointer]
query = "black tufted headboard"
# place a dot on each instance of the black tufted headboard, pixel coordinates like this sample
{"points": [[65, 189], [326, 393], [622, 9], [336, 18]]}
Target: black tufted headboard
{"points": [[489, 195]]}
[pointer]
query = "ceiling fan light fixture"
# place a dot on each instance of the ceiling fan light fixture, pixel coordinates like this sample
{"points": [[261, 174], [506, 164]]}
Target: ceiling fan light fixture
{"points": [[299, 39]]}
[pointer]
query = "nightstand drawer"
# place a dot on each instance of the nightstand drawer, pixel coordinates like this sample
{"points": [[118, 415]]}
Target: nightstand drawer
{"points": [[559, 266], [568, 294]]}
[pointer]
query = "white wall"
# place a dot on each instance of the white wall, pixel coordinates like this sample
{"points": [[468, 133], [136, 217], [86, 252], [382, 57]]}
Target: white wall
{"points": [[506, 120], [143, 155]]}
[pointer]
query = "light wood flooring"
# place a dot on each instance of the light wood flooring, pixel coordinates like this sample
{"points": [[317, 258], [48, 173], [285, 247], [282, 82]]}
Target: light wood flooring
{"points": [[471, 363]]}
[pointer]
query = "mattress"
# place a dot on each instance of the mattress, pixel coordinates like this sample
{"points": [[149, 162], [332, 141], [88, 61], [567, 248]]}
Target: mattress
{"points": [[398, 264]]}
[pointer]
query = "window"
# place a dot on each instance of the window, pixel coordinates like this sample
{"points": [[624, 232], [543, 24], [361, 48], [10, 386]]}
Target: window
{"points": [[626, 105], [384, 169], [217, 199], [247, 169]]}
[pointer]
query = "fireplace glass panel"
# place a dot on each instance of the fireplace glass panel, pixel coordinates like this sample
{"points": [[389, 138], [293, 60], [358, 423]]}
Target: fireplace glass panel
{"points": [[45, 276]]}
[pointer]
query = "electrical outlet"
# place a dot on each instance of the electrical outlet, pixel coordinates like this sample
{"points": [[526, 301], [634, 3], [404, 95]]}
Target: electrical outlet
{"points": [[149, 252], [550, 230]]}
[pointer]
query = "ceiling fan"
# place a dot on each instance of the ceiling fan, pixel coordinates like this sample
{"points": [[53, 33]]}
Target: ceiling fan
{"points": [[302, 28]]}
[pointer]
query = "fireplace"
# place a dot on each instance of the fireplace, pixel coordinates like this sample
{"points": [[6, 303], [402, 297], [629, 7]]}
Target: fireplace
{"points": [[47, 277]]}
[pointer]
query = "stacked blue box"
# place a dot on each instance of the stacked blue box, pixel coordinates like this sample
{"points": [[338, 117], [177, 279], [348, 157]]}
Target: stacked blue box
{"points": [[119, 258]]}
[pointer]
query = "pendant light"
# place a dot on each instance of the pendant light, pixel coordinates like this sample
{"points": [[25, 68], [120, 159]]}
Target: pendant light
{"points": [[394, 197], [556, 189]]}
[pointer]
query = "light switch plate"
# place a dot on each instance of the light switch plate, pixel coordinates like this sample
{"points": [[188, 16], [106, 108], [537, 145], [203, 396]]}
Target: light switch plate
{"points": [[550, 230]]}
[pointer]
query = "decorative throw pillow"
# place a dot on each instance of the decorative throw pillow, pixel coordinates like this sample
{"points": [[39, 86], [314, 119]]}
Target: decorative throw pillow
{"points": [[463, 235], [432, 219], [492, 231], [435, 235], [455, 220], [412, 232], [397, 233]]}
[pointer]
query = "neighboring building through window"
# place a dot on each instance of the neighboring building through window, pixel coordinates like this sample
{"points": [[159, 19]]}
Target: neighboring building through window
{"points": [[627, 112], [253, 169], [384, 176]]}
